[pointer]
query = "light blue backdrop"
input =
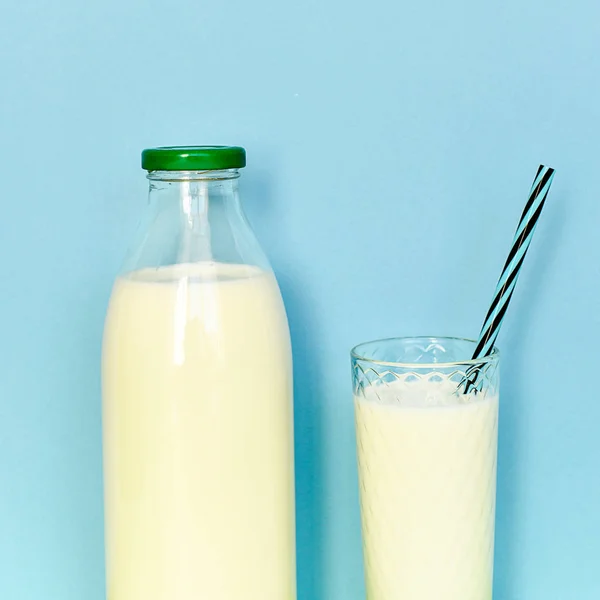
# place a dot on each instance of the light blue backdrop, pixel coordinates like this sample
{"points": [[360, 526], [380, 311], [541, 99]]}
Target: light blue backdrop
{"points": [[391, 145]]}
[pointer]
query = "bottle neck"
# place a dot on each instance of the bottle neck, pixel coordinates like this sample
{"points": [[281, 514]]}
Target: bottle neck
{"points": [[178, 176], [193, 190], [194, 217]]}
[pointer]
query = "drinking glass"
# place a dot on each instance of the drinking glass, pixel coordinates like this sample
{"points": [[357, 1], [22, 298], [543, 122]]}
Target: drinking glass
{"points": [[426, 432]]}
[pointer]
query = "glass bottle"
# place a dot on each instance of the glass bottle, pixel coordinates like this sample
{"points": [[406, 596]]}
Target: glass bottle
{"points": [[197, 397]]}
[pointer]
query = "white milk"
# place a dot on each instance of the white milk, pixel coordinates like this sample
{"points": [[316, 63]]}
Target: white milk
{"points": [[427, 468], [197, 386]]}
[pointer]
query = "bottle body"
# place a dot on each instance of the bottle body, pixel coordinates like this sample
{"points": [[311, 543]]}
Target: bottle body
{"points": [[198, 427]]}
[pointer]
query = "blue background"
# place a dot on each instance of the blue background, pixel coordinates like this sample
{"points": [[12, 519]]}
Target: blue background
{"points": [[391, 148]]}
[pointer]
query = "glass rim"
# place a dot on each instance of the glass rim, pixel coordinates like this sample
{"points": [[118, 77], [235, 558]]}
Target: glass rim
{"points": [[356, 355]]}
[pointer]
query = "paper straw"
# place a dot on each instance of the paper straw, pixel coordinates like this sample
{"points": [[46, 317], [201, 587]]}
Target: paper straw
{"points": [[512, 268]]}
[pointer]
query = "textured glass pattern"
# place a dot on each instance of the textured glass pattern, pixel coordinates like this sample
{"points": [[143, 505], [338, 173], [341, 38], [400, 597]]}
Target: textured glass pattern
{"points": [[427, 472]]}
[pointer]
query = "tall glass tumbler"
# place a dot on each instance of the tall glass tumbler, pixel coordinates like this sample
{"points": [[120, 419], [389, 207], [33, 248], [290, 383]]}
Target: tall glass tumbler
{"points": [[427, 467]]}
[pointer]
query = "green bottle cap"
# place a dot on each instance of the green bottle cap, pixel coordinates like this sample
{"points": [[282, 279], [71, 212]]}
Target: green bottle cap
{"points": [[193, 158]]}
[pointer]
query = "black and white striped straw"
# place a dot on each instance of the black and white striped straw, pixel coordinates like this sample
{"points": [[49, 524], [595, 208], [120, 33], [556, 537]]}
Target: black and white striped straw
{"points": [[512, 267]]}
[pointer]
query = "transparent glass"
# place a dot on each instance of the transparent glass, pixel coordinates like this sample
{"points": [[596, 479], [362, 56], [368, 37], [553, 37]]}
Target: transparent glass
{"points": [[194, 216], [197, 405], [427, 467]]}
